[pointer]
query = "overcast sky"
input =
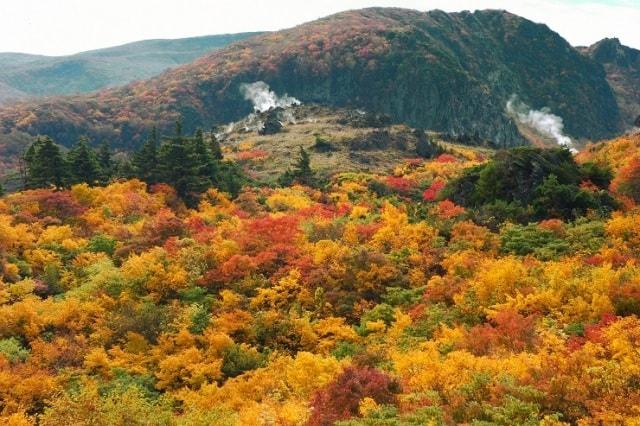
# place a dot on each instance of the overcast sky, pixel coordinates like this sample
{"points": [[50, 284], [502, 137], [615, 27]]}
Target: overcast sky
{"points": [[58, 27]]}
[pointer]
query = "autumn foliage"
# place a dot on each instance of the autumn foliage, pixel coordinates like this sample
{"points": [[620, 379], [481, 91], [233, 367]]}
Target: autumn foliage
{"points": [[355, 304]]}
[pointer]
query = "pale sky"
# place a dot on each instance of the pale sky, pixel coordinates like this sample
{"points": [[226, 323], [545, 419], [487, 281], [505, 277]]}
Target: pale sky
{"points": [[59, 27]]}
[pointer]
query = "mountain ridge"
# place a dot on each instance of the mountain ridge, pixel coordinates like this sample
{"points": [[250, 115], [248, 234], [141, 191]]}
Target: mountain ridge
{"points": [[446, 72], [26, 75], [622, 65]]}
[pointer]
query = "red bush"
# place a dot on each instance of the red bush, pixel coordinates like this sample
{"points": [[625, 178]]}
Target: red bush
{"points": [[431, 193], [340, 399], [446, 158], [400, 184]]}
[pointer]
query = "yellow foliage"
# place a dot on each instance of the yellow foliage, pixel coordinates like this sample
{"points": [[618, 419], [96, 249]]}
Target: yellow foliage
{"points": [[285, 199]]}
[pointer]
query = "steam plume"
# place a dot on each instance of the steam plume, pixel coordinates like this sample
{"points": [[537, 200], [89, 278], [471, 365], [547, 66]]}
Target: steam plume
{"points": [[263, 98], [543, 121]]}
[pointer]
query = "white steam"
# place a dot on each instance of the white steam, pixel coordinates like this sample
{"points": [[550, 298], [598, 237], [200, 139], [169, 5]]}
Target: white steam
{"points": [[263, 98], [548, 124]]}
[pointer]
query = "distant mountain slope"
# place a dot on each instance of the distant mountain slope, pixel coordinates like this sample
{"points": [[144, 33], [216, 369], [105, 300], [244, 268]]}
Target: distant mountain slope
{"points": [[24, 75], [451, 73], [622, 65]]}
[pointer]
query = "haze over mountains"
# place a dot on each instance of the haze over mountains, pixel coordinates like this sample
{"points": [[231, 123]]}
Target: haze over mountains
{"points": [[23, 75], [448, 72]]}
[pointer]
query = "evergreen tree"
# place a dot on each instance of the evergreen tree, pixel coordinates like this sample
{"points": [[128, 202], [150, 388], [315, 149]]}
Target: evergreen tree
{"points": [[124, 169], [1, 190], [145, 160], [176, 167], [230, 178], [216, 149], [83, 163], [204, 166], [28, 163], [301, 173], [106, 162], [45, 165]]}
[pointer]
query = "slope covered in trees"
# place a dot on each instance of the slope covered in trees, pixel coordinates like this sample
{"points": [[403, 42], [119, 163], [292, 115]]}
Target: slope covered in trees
{"points": [[446, 72], [370, 299], [27, 76]]}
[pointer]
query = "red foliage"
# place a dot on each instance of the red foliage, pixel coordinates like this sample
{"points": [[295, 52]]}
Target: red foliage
{"points": [[589, 186], [254, 154], [592, 333], [447, 209], [236, 267], [400, 184], [446, 158], [554, 225], [56, 204], [265, 232], [508, 329], [627, 181], [164, 225], [199, 229], [366, 230], [340, 399], [431, 193], [414, 162]]}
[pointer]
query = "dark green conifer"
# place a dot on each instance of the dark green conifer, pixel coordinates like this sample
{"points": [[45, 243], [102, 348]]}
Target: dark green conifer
{"points": [[205, 167], [45, 164], [106, 162], [176, 168], [83, 163], [214, 144], [145, 160]]}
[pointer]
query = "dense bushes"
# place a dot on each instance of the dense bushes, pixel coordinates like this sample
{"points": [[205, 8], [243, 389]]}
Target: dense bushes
{"points": [[526, 184]]}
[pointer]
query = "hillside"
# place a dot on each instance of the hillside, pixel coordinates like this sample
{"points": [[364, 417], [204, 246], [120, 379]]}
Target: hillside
{"points": [[23, 76], [622, 65], [452, 73], [335, 142], [371, 300]]}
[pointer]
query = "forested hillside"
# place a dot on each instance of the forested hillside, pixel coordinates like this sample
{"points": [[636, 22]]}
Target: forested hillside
{"points": [[366, 299], [28, 76], [451, 73]]}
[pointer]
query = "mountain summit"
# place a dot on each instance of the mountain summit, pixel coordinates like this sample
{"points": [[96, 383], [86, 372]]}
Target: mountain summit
{"points": [[622, 65], [450, 72]]}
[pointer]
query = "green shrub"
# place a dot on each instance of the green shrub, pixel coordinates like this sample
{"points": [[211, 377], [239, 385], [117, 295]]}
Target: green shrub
{"points": [[526, 184], [237, 359], [531, 239], [13, 350], [102, 244]]}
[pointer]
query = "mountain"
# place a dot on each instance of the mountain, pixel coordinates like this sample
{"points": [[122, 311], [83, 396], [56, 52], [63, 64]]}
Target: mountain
{"points": [[23, 76], [450, 72], [622, 65]]}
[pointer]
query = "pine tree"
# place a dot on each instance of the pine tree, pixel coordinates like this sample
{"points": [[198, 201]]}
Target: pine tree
{"points": [[176, 168], [46, 165], [83, 163], [28, 163], [1, 189], [216, 149], [301, 173], [205, 167], [230, 178], [105, 161], [145, 160]]}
